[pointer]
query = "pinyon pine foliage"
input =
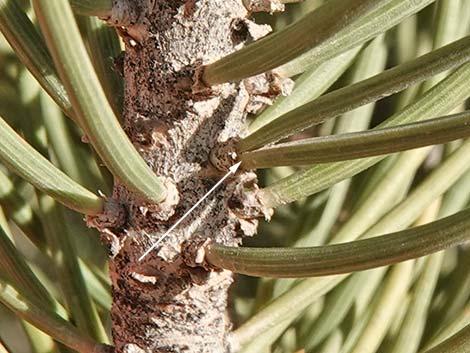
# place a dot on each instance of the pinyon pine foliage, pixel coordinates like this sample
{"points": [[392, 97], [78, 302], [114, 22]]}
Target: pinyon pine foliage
{"points": [[345, 228]]}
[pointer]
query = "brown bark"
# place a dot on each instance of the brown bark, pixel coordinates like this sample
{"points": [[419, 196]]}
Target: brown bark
{"points": [[170, 302]]}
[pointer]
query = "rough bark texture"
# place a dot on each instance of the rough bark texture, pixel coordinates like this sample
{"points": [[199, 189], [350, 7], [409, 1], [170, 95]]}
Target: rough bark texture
{"points": [[170, 302]]}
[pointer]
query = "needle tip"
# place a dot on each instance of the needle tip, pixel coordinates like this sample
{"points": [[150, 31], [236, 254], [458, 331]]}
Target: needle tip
{"points": [[234, 167]]}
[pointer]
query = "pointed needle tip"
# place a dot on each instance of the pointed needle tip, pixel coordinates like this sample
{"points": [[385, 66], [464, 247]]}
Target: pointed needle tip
{"points": [[234, 167]]}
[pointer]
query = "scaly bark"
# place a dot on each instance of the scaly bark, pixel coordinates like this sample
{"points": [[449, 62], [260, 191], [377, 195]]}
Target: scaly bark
{"points": [[170, 302]]}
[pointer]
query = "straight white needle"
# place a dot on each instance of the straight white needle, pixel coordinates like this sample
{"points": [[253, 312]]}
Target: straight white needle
{"points": [[232, 170]]}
